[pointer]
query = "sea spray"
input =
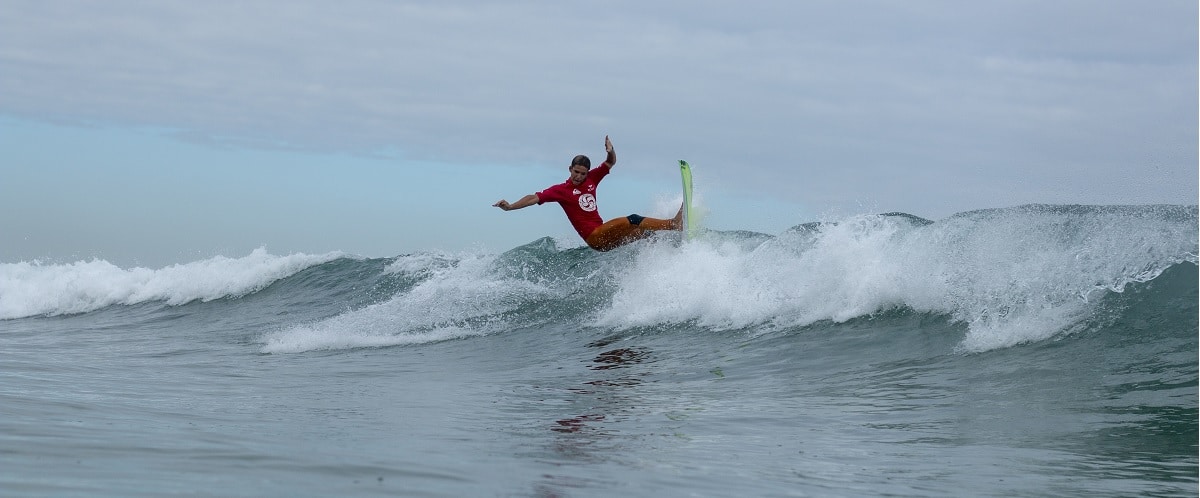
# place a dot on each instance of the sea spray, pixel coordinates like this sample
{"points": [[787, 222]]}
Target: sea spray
{"points": [[1012, 275]]}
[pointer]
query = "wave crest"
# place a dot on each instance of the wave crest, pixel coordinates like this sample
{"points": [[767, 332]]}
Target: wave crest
{"points": [[33, 289]]}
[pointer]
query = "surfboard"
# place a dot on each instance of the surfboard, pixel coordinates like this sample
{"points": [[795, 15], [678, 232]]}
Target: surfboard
{"points": [[689, 222]]}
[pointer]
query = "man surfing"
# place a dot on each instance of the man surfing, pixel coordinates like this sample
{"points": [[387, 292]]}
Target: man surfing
{"points": [[577, 196]]}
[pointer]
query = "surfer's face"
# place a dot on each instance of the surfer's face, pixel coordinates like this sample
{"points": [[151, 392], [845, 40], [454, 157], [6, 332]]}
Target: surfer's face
{"points": [[578, 174]]}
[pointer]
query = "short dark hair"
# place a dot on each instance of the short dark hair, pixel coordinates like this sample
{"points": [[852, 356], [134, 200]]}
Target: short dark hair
{"points": [[582, 160]]}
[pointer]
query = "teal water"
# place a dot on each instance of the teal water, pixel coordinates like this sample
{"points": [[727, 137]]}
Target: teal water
{"points": [[1030, 351]]}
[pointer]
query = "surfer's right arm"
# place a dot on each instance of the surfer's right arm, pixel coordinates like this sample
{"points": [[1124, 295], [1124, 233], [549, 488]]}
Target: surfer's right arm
{"points": [[523, 202], [611, 157]]}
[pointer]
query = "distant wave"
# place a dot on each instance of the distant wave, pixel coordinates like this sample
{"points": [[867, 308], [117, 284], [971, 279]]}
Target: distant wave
{"points": [[32, 288]]}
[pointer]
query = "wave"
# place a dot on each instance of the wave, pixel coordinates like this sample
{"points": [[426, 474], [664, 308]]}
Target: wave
{"points": [[1013, 276], [1010, 276], [448, 297], [35, 289]]}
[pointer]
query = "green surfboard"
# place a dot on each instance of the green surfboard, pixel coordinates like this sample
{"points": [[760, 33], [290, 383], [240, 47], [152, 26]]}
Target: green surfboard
{"points": [[690, 223]]}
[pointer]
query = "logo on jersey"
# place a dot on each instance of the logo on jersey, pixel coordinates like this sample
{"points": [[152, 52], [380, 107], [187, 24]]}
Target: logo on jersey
{"points": [[587, 202]]}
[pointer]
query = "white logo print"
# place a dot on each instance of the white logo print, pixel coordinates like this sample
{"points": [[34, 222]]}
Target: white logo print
{"points": [[587, 202]]}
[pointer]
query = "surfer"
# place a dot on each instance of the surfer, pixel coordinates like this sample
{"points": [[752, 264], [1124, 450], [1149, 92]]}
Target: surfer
{"points": [[577, 196]]}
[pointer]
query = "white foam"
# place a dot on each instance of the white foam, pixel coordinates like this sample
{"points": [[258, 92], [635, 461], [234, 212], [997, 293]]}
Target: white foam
{"points": [[726, 284], [32, 288], [460, 296], [1016, 277]]}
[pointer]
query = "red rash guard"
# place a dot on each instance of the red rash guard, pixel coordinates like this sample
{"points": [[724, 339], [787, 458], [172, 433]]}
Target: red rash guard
{"points": [[578, 202]]}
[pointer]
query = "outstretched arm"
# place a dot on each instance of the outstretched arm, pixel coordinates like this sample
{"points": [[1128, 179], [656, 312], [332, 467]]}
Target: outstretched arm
{"points": [[612, 155], [523, 202]]}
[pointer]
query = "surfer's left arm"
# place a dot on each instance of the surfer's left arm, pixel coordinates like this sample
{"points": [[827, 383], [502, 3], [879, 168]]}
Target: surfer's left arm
{"points": [[611, 159]]}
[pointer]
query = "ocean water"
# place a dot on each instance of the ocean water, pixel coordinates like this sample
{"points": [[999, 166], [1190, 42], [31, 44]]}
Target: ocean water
{"points": [[1027, 351]]}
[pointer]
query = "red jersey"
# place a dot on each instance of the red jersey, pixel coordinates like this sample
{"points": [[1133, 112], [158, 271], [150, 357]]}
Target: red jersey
{"points": [[579, 202]]}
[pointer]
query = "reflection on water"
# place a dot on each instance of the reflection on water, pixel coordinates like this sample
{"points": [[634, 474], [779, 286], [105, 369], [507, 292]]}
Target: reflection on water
{"points": [[607, 395], [604, 390], [575, 424], [619, 358], [608, 392]]}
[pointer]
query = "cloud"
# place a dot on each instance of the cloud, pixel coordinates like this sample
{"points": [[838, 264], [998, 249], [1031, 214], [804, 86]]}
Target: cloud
{"points": [[930, 107]]}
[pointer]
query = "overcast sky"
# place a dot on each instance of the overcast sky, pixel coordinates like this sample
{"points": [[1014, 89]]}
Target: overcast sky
{"points": [[155, 132]]}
